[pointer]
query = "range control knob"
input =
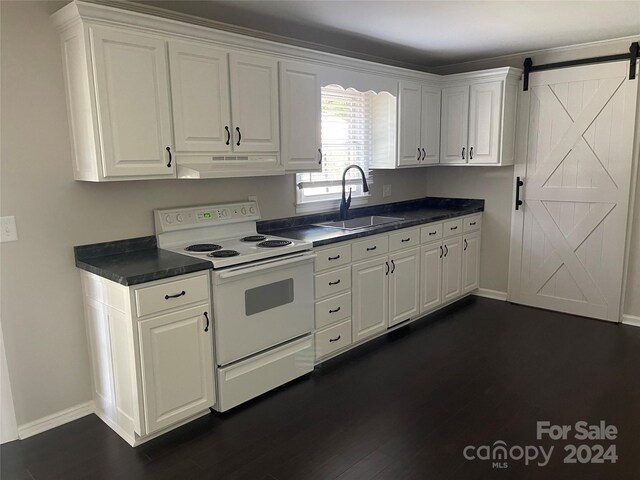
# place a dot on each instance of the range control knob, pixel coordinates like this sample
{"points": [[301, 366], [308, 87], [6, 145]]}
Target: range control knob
{"points": [[243, 210], [168, 219], [252, 210], [179, 218], [224, 213]]}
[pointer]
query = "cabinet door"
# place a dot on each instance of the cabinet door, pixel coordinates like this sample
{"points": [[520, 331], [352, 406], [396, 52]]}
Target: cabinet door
{"points": [[132, 95], [485, 102], [200, 98], [404, 286], [470, 262], [431, 276], [254, 103], [455, 119], [452, 269], [430, 124], [409, 124], [177, 366], [370, 296], [300, 117]]}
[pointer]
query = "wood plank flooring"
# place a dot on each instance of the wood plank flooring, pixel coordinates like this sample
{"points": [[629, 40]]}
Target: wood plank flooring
{"points": [[403, 406]]}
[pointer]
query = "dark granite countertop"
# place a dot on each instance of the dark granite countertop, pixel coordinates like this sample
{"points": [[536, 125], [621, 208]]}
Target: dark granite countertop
{"points": [[414, 212], [135, 261]]}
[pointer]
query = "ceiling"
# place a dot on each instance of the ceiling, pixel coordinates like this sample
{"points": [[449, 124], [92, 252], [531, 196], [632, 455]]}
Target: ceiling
{"points": [[425, 33]]}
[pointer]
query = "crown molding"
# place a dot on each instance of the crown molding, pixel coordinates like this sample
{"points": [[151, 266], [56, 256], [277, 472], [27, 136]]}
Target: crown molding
{"points": [[518, 57]]}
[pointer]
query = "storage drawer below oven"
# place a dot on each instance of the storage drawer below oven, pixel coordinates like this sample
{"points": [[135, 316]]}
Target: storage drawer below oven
{"points": [[252, 377]]}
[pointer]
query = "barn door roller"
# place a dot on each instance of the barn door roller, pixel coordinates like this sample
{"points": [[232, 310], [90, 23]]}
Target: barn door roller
{"points": [[632, 56]]}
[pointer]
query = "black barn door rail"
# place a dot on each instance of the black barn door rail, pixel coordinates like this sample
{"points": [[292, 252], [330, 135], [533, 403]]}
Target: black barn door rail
{"points": [[632, 56]]}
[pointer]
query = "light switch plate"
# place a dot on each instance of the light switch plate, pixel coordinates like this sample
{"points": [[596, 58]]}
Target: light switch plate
{"points": [[8, 230], [386, 191]]}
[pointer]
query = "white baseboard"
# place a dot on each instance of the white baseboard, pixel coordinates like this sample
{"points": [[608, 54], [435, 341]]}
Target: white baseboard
{"points": [[631, 320], [55, 420], [495, 294]]}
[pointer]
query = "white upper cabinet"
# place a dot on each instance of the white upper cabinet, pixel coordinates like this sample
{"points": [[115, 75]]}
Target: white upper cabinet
{"points": [[485, 100], [454, 124], [418, 126], [430, 124], [132, 102], [300, 117], [200, 98], [478, 118], [254, 103], [409, 153]]}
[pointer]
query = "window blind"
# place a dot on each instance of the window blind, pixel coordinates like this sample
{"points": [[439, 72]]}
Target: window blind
{"points": [[346, 139]]}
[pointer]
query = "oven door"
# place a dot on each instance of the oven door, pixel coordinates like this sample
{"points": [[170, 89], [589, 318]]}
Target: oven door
{"points": [[261, 305]]}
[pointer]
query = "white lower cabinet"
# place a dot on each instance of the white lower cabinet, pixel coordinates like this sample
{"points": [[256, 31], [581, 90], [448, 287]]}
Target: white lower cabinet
{"points": [[177, 365], [470, 262], [430, 276], [370, 294], [404, 282], [151, 352], [452, 268], [393, 278]]}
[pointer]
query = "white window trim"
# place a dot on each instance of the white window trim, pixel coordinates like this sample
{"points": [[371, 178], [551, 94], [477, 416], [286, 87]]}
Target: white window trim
{"points": [[320, 206]]}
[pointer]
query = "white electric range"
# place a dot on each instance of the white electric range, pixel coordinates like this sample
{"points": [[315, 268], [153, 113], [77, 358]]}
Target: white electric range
{"points": [[262, 290]]}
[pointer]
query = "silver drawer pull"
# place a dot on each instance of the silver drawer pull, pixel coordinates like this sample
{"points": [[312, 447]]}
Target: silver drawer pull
{"points": [[334, 311], [335, 339], [167, 297], [334, 283], [334, 258], [405, 239], [371, 248]]}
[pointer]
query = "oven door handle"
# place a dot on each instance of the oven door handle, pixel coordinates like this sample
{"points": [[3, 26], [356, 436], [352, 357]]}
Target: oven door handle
{"points": [[303, 258]]}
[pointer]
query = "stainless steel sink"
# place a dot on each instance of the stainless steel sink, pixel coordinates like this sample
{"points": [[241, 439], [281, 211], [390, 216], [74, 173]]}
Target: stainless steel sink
{"points": [[361, 222]]}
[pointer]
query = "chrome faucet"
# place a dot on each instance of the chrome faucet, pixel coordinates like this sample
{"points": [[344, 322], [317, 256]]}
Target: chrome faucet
{"points": [[346, 202]]}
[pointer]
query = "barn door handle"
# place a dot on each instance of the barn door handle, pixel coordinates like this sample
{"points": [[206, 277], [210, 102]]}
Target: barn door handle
{"points": [[206, 316], [519, 183]]}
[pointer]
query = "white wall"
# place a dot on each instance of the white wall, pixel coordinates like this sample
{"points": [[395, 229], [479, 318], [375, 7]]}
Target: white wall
{"points": [[41, 301], [495, 184]]}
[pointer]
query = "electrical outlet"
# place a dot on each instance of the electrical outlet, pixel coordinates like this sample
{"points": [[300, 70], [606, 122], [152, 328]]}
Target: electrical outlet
{"points": [[8, 230], [386, 191]]}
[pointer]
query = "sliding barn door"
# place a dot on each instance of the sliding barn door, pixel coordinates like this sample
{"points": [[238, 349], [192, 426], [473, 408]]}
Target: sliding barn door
{"points": [[576, 128]]}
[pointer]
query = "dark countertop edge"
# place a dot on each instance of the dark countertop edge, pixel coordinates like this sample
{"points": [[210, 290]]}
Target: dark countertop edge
{"points": [[132, 280], [115, 247], [393, 227]]}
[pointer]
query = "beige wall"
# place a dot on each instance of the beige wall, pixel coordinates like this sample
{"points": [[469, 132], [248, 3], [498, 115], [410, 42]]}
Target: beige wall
{"points": [[41, 303], [495, 184]]}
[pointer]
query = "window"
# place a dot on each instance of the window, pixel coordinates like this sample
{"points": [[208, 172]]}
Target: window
{"points": [[348, 137]]}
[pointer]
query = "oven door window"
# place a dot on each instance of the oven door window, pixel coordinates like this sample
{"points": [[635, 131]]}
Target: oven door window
{"points": [[269, 296]]}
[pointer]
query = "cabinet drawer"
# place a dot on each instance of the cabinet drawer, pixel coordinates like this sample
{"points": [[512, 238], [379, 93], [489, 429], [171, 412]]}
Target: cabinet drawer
{"points": [[333, 257], [370, 248], [333, 338], [452, 227], [472, 223], [431, 232], [406, 239], [173, 294], [333, 282], [333, 309]]}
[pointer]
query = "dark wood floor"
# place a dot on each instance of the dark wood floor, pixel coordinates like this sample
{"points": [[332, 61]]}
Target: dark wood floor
{"points": [[402, 407]]}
